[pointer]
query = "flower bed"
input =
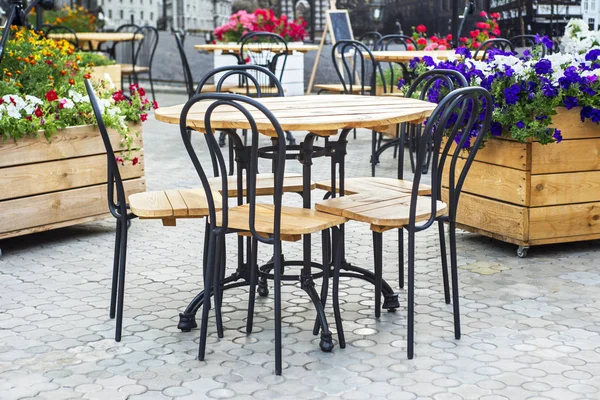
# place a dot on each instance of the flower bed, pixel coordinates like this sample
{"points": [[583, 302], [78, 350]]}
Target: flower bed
{"points": [[261, 20], [53, 164]]}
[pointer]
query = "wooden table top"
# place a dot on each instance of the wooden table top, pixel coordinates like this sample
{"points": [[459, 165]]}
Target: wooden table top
{"points": [[404, 56], [235, 47], [98, 36], [323, 115]]}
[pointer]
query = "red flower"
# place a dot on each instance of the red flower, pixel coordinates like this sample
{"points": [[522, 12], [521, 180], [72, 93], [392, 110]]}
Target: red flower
{"points": [[483, 14], [135, 161], [154, 104], [87, 76], [421, 28], [12, 101], [449, 37], [28, 118], [496, 32], [422, 41], [38, 112], [410, 47], [463, 40], [1, 101], [49, 62], [482, 25], [476, 45], [143, 117], [475, 33], [119, 160], [133, 87], [118, 96], [141, 91], [434, 39], [51, 95], [495, 15]]}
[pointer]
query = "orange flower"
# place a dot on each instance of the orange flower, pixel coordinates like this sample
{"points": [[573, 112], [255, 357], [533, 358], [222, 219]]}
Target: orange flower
{"points": [[87, 76], [9, 74], [71, 82], [19, 72], [63, 72]]}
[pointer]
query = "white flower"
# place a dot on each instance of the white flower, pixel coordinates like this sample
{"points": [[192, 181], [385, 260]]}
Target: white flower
{"points": [[108, 79], [13, 111], [33, 100], [76, 97], [67, 103]]}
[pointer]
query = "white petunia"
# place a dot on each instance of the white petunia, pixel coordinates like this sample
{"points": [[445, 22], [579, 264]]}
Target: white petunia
{"points": [[12, 111], [75, 96], [33, 100]]}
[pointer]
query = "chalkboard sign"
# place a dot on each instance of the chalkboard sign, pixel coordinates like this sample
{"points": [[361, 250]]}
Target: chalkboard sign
{"points": [[339, 25]]}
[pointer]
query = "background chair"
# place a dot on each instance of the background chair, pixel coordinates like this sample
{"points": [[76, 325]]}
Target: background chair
{"points": [[59, 29], [265, 223], [370, 39], [395, 42], [528, 41], [493, 44], [267, 50], [164, 205], [463, 110]]}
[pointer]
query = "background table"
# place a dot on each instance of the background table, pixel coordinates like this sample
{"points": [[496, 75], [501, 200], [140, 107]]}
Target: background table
{"points": [[292, 79], [96, 38]]}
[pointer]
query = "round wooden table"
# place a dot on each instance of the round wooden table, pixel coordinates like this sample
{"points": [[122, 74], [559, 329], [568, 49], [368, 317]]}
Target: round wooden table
{"points": [[96, 38], [235, 47], [404, 56]]}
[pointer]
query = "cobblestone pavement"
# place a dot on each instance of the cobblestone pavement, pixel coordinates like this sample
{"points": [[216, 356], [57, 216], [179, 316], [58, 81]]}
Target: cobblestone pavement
{"points": [[530, 326]]}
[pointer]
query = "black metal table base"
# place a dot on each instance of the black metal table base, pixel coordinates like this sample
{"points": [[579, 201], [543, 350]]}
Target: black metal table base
{"points": [[240, 278]]}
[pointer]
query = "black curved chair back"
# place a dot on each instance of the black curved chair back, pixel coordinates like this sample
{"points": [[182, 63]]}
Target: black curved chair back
{"points": [[370, 39], [267, 50], [115, 184], [427, 87], [462, 117], [529, 42], [144, 49], [490, 44], [358, 67], [59, 29], [187, 73], [122, 51], [213, 102], [395, 42], [250, 77]]}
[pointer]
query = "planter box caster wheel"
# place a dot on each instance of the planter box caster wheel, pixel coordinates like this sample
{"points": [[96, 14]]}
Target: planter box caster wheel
{"points": [[390, 302], [187, 322], [262, 289], [522, 251], [326, 343]]}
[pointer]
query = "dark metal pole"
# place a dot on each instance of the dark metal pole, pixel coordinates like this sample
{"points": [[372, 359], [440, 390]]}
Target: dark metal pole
{"points": [[454, 23], [38, 18]]}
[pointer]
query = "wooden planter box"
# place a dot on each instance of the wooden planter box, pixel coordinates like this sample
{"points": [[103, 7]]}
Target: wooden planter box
{"points": [[113, 71], [47, 185], [532, 194]]}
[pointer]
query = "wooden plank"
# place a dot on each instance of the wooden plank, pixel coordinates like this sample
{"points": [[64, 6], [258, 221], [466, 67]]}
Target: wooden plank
{"points": [[44, 228], [493, 216], [565, 239], [150, 205], [195, 200], [33, 179], [566, 156], [574, 187], [53, 208], [99, 73], [493, 235], [507, 153], [177, 203], [569, 122], [565, 220], [493, 181], [77, 141]]}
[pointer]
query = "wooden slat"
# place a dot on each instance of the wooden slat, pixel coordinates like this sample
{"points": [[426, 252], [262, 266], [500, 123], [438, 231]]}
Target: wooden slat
{"points": [[48, 227], [177, 203], [77, 141], [53, 208], [569, 122], [265, 186], [294, 221], [563, 221], [493, 181], [113, 71], [150, 205], [492, 216], [375, 185], [507, 153], [195, 200], [33, 179], [574, 187], [566, 156], [339, 88]]}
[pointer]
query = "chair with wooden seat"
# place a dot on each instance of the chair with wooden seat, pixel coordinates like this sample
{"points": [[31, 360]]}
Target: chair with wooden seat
{"points": [[267, 224], [267, 50], [370, 39], [142, 49], [493, 44], [529, 42], [463, 110], [436, 79], [164, 205]]}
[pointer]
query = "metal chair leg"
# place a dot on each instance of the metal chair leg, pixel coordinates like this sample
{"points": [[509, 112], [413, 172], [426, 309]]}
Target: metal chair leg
{"points": [[444, 261], [454, 272], [337, 263], [253, 280], [151, 84], [378, 256], [207, 291], [401, 257], [217, 293], [115, 274], [373, 152], [410, 337], [277, 305], [325, 282], [121, 283]]}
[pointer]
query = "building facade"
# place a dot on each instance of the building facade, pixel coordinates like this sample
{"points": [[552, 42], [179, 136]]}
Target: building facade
{"points": [[200, 15], [139, 12], [590, 10]]}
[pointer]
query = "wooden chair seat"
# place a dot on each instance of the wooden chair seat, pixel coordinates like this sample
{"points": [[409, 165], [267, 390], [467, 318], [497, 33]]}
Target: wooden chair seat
{"points": [[295, 221], [213, 88], [252, 91], [127, 69], [339, 88], [382, 213], [169, 205], [265, 184], [375, 185]]}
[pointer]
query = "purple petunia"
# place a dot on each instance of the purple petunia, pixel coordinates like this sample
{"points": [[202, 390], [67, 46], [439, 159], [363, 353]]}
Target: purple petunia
{"points": [[592, 55], [520, 125], [401, 83], [545, 40], [549, 91], [589, 112], [557, 135], [570, 77], [428, 61], [464, 52], [570, 102], [511, 94], [543, 67], [414, 63], [496, 129]]}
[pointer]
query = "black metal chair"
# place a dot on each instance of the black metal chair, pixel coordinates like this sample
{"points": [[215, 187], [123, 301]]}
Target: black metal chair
{"points": [[268, 224], [393, 42], [119, 207], [529, 42], [71, 34], [491, 44], [187, 73], [463, 110], [137, 60], [267, 50], [370, 39]]}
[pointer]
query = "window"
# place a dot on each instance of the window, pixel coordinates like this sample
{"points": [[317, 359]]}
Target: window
{"points": [[121, 14], [151, 16], [109, 13], [141, 15], [592, 23], [585, 5]]}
